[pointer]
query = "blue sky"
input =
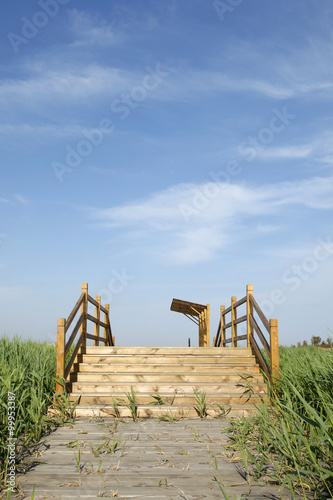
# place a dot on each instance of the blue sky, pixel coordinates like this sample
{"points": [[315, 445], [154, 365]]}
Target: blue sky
{"points": [[166, 149]]}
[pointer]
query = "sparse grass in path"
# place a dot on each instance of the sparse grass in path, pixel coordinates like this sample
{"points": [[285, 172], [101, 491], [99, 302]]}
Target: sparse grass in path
{"points": [[201, 406], [167, 417], [132, 404]]}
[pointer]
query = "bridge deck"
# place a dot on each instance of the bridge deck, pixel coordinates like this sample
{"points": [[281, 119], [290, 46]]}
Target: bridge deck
{"points": [[152, 460]]}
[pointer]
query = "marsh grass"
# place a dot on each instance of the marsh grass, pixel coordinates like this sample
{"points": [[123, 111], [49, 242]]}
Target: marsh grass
{"points": [[290, 441], [27, 369]]}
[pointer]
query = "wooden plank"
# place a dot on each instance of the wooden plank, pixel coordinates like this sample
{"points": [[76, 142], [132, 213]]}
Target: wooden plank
{"points": [[60, 367], [222, 321], [84, 311], [240, 302], [74, 354], [111, 340], [249, 312], [241, 337], [156, 460], [207, 319], [227, 325], [92, 300], [227, 310], [217, 341], [275, 360], [74, 311], [97, 316], [260, 313], [192, 318], [183, 306], [233, 319], [92, 318], [92, 337], [260, 335], [261, 359], [73, 334], [104, 309], [241, 319]]}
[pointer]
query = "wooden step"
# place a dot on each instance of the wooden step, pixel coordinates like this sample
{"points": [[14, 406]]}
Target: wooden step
{"points": [[163, 387], [178, 359], [166, 368], [177, 399], [169, 351], [228, 376], [156, 378], [185, 411]]}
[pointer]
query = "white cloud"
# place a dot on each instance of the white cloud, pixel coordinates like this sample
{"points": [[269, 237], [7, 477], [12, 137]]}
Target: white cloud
{"points": [[46, 83], [291, 152], [190, 223]]}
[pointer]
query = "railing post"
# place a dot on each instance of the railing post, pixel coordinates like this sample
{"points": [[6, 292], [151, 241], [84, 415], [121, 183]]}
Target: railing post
{"points": [[207, 318], [202, 329], [275, 359], [233, 318], [84, 310], [222, 326], [249, 313], [107, 307], [60, 373], [97, 316], [107, 321]]}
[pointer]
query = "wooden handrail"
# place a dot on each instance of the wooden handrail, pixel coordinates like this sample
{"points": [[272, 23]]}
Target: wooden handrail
{"points": [[271, 346], [63, 371], [74, 312]]}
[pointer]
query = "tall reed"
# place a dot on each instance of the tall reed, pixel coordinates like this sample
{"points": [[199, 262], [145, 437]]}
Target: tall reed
{"points": [[27, 370], [291, 440]]}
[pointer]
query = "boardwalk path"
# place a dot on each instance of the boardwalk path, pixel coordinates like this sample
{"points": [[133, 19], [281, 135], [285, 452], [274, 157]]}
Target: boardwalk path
{"points": [[151, 460]]}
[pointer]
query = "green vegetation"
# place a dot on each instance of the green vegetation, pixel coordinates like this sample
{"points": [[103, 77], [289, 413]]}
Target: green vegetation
{"points": [[291, 441], [201, 406], [27, 386], [132, 406]]}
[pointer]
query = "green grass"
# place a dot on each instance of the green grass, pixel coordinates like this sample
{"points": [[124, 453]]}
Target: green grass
{"points": [[27, 369], [291, 441]]}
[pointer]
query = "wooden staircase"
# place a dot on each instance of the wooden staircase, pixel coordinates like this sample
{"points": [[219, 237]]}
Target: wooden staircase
{"points": [[168, 375], [167, 381]]}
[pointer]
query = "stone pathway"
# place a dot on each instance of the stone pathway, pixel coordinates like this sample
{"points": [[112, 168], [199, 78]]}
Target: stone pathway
{"points": [[147, 459]]}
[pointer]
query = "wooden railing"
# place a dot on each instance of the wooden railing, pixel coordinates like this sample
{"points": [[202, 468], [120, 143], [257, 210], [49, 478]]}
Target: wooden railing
{"points": [[253, 311], [63, 346]]}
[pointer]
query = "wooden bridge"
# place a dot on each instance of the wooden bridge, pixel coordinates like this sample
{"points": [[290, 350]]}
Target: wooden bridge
{"points": [[107, 380], [154, 459]]}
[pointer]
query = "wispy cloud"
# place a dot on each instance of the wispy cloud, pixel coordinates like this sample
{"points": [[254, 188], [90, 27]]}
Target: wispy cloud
{"points": [[211, 222], [21, 199], [88, 29], [284, 152], [46, 83]]}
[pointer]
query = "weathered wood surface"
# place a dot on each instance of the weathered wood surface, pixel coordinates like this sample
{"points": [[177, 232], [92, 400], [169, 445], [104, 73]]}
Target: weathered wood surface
{"points": [[152, 460]]}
